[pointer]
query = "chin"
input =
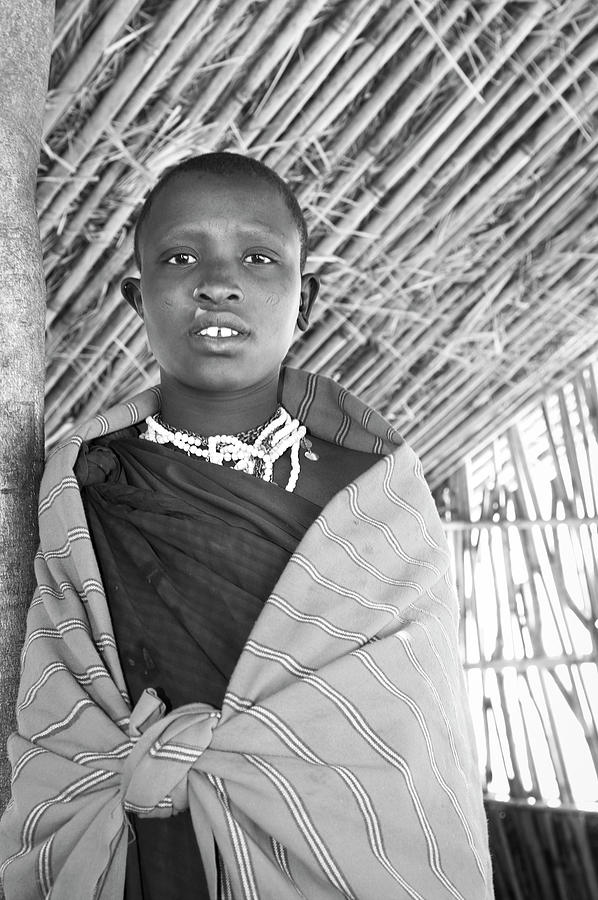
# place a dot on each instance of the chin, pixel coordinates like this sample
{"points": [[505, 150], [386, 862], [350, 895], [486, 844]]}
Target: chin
{"points": [[219, 375], [221, 382]]}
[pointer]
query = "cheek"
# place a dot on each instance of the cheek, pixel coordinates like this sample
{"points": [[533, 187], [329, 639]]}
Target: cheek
{"points": [[162, 314], [282, 329], [159, 329], [281, 300]]}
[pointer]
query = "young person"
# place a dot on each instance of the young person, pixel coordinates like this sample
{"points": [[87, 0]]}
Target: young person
{"points": [[241, 674]]}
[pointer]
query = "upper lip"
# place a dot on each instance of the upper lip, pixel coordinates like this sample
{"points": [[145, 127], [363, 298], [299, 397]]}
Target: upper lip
{"points": [[218, 320]]}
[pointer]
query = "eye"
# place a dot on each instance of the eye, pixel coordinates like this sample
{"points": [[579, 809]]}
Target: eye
{"points": [[258, 259], [181, 259]]}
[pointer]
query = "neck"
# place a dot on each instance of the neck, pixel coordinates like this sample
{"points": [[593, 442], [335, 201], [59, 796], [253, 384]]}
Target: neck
{"points": [[209, 412]]}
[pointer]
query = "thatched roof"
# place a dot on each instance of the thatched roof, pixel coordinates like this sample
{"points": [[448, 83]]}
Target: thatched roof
{"points": [[445, 154]]}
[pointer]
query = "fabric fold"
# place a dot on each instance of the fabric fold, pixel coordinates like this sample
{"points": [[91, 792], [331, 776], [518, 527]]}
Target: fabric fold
{"points": [[148, 788]]}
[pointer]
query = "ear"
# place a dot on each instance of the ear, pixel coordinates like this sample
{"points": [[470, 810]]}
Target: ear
{"points": [[130, 288], [310, 285]]}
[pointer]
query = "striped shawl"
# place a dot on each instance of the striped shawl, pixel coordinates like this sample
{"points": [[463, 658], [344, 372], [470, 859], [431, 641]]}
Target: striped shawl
{"points": [[341, 763]]}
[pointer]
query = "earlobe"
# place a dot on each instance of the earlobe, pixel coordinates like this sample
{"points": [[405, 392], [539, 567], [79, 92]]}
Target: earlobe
{"points": [[310, 285], [130, 288]]}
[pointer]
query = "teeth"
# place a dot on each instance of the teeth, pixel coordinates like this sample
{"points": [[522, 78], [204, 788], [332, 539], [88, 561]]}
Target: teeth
{"points": [[214, 332]]}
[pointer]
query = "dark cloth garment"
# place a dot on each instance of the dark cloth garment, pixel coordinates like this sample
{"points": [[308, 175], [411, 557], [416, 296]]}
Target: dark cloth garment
{"points": [[188, 553]]}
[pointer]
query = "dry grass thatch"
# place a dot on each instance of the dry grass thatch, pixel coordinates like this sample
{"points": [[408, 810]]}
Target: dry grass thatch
{"points": [[446, 156]]}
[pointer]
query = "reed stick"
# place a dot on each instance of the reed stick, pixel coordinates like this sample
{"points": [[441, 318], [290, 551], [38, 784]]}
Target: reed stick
{"points": [[114, 21], [111, 102]]}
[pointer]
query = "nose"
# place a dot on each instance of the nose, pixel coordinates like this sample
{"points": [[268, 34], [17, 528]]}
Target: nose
{"points": [[217, 290]]}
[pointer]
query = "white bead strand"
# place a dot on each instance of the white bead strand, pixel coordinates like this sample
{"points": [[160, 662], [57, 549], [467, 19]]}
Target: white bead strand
{"points": [[277, 436]]}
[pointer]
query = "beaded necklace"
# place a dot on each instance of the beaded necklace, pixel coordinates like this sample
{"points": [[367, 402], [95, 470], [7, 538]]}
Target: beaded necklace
{"points": [[254, 451]]}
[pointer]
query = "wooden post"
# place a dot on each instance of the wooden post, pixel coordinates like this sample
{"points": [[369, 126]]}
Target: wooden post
{"points": [[25, 47]]}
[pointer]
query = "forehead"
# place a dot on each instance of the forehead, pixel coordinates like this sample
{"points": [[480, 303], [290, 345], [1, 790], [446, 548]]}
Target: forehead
{"points": [[193, 199]]}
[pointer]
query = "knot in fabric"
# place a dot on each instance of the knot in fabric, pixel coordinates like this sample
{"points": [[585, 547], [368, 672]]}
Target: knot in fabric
{"points": [[165, 747]]}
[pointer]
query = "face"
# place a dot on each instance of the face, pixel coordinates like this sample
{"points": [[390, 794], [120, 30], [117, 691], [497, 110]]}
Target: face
{"points": [[221, 288]]}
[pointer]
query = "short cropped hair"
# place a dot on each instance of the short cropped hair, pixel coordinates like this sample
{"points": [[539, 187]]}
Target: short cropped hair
{"points": [[225, 164]]}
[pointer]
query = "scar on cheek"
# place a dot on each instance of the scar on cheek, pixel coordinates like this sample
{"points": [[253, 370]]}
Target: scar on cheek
{"points": [[273, 299], [167, 302]]}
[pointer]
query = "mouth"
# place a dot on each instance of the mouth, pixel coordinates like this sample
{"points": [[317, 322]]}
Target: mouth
{"points": [[221, 328], [215, 331], [218, 338]]}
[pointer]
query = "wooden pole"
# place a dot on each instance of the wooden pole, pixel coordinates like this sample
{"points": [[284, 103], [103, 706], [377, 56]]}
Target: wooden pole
{"points": [[25, 46]]}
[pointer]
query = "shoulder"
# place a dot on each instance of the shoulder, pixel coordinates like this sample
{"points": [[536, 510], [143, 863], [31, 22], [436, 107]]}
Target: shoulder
{"points": [[98, 460], [332, 413]]}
